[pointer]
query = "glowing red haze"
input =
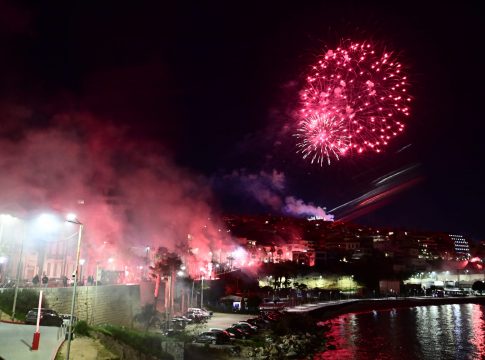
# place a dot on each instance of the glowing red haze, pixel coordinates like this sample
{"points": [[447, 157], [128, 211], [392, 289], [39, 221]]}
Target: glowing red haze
{"points": [[129, 195]]}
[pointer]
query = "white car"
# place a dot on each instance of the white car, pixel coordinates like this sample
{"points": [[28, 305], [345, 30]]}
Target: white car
{"points": [[248, 324], [67, 319], [199, 311]]}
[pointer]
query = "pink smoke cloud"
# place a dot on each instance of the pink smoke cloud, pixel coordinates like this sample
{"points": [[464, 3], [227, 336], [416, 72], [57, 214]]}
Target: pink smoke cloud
{"points": [[128, 194], [268, 189], [264, 187], [297, 207]]}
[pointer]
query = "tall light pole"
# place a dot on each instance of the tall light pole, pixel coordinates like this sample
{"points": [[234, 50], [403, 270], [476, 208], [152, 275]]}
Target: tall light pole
{"points": [[19, 267], [17, 282], [72, 219], [202, 291], [95, 294]]}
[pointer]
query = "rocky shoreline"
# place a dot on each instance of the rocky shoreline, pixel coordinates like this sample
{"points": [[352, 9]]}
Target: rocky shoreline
{"points": [[302, 345]]}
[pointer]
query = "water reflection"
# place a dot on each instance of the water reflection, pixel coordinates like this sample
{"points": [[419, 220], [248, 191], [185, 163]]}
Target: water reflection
{"points": [[425, 332], [478, 324]]}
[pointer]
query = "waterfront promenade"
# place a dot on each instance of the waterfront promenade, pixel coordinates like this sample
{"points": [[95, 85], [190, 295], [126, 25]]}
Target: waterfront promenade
{"points": [[329, 309]]}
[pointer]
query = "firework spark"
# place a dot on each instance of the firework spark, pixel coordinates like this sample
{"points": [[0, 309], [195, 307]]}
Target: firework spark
{"points": [[355, 99], [322, 136]]}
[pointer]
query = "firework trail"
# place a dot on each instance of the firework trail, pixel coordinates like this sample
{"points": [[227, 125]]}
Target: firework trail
{"points": [[355, 99]]}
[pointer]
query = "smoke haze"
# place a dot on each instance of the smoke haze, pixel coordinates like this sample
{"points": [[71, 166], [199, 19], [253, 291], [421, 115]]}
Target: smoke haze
{"points": [[128, 194], [269, 190]]}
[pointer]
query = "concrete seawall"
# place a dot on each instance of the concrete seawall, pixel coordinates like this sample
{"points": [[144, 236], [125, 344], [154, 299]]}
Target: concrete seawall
{"points": [[329, 311]]}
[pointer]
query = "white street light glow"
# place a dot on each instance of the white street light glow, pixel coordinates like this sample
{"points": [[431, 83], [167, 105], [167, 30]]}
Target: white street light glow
{"points": [[71, 217]]}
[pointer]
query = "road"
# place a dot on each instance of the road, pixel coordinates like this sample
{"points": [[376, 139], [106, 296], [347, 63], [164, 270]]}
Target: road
{"points": [[16, 340]]}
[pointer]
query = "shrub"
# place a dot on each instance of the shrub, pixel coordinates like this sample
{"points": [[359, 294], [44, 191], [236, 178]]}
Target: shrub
{"points": [[146, 313], [145, 343], [82, 328], [27, 299], [479, 286], [292, 324]]}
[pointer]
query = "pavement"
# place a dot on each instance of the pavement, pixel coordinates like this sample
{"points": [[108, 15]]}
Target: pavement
{"points": [[85, 348], [16, 341], [313, 306]]}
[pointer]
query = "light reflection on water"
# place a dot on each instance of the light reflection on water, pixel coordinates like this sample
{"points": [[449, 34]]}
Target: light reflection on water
{"points": [[424, 332]]}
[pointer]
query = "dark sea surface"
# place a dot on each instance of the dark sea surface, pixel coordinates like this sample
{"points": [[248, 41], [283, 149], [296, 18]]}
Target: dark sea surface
{"points": [[424, 332]]}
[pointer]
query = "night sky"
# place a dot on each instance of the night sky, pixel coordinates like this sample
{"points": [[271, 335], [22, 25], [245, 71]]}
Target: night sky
{"points": [[213, 84]]}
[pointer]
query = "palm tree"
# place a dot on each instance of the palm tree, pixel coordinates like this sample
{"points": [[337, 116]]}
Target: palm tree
{"points": [[166, 265]]}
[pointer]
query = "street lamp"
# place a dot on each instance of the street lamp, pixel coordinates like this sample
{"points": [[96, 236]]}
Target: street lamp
{"points": [[73, 219]]}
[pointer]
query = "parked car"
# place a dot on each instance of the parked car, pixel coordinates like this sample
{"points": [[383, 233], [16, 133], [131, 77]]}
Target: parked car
{"points": [[248, 328], [196, 318], [226, 333], [200, 311], [238, 332], [208, 311], [197, 315], [179, 323], [184, 318], [66, 318], [254, 327], [211, 337], [259, 322], [48, 317]]}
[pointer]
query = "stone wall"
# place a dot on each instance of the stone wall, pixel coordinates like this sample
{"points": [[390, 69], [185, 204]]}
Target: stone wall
{"points": [[113, 304]]}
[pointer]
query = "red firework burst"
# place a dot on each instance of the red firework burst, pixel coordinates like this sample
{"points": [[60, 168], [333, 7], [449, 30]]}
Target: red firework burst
{"points": [[357, 97], [322, 136]]}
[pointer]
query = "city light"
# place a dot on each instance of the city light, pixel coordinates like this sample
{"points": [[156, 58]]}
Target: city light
{"points": [[7, 218], [47, 225]]}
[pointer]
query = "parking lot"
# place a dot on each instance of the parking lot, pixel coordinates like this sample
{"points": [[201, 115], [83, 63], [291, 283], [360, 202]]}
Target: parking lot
{"points": [[219, 320]]}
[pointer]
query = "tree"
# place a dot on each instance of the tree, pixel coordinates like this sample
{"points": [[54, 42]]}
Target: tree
{"points": [[280, 254], [27, 300], [479, 286], [166, 265], [278, 271]]}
